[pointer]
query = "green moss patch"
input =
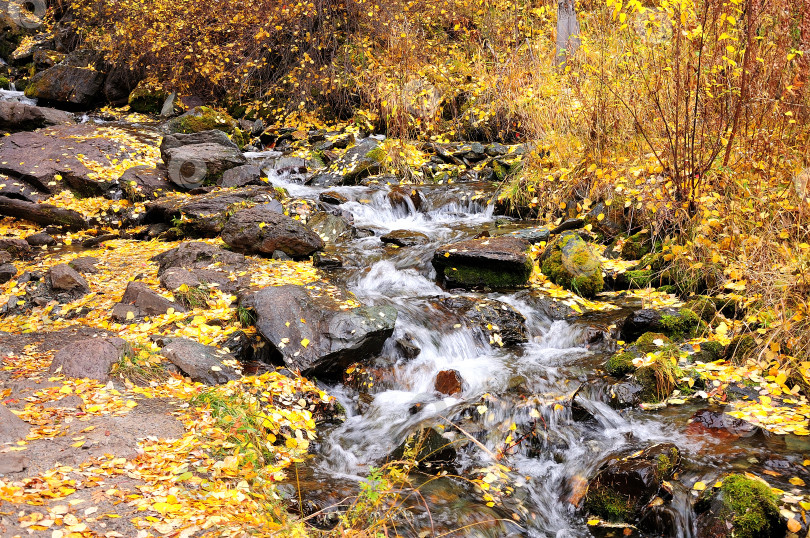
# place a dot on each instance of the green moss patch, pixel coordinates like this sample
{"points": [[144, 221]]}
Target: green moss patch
{"points": [[620, 364], [646, 342], [752, 504], [684, 325], [609, 505]]}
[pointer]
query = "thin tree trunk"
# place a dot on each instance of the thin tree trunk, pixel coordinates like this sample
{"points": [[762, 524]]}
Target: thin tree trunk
{"points": [[567, 32]]}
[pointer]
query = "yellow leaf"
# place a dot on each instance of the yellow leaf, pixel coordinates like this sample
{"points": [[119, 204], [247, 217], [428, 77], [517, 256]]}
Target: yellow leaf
{"points": [[699, 486], [305, 342], [593, 522], [796, 481]]}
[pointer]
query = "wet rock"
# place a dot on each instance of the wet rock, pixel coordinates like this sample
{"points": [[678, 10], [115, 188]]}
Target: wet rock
{"points": [[533, 235], [624, 486], [407, 346], [741, 507], [405, 199], [362, 160], [21, 117], [69, 85], [672, 322], [551, 308], [722, 425], [91, 358], [312, 334], [491, 316], [405, 238], [326, 260], [14, 428], [40, 239], [7, 272], [15, 247], [263, 230], [332, 197], [201, 363], [570, 262], [63, 278], [331, 227], [432, 450], [247, 174], [36, 158], [145, 183], [625, 394], [85, 264], [142, 301], [568, 225], [205, 215], [495, 262], [449, 382]]}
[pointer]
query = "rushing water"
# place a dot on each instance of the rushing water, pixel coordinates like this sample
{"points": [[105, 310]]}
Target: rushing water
{"points": [[513, 382]]}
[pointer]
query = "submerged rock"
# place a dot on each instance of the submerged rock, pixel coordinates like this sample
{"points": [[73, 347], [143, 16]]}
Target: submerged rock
{"points": [[312, 334], [492, 262], [404, 238], [449, 382], [491, 316]]}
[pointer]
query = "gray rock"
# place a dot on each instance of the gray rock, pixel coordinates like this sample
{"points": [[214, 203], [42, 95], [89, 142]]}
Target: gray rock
{"points": [[195, 263], [22, 117], [91, 358], [199, 164], [12, 462], [85, 264], [7, 272], [147, 302], [263, 230], [201, 363], [40, 239], [15, 247], [313, 334], [247, 174], [404, 238], [14, 428], [175, 277], [178, 140], [63, 278]]}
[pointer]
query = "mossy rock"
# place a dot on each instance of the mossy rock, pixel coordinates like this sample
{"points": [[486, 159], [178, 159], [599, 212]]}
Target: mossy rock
{"points": [[570, 263], [484, 277], [620, 364], [741, 507], [609, 505], [147, 99], [646, 342], [710, 351], [704, 307], [684, 325], [204, 118], [5, 83], [741, 348], [636, 246]]}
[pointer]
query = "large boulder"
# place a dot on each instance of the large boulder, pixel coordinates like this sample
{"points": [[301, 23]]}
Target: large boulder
{"points": [[23, 117], [77, 82], [201, 363], [571, 263], [69, 157], [492, 262], [312, 334], [202, 118], [247, 174], [362, 160], [741, 507], [263, 230], [625, 486], [91, 358], [205, 215], [201, 164]]}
